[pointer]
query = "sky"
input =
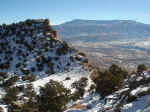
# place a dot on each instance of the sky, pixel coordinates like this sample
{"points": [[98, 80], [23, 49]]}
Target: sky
{"points": [[59, 11]]}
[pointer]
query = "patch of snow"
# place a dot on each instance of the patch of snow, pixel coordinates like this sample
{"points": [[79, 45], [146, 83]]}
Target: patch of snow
{"points": [[122, 90], [137, 106], [4, 107], [74, 75], [138, 90], [139, 78], [147, 109]]}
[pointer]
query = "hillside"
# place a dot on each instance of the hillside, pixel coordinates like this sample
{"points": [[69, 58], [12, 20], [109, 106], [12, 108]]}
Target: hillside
{"points": [[31, 53], [133, 96], [31, 47], [41, 73]]}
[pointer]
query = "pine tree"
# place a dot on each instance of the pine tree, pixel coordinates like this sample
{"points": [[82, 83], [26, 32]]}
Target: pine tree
{"points": [[53, 97], [11, 95], [141, 68]]}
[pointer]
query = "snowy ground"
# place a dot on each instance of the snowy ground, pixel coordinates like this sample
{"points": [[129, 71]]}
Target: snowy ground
{"points": [[75, 74], [141, 104], [137, 106]]}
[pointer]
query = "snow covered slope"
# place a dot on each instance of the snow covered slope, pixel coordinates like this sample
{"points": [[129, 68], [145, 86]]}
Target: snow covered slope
{"points": [[133, 97], [74, 75], [30, 47]]}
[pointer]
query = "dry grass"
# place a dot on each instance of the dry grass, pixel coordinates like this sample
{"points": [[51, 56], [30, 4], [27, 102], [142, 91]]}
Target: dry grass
{"points": [[77, 106], [1, 109], [94, 75], [82, 54]]}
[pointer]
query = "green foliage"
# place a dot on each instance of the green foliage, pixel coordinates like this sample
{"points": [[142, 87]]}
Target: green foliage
{"points": [[26, 72], [53, 97], [47, 22], [28, 106], [12, 107], [65, 46], [76, 95], [44, 60], [29, 22], [3, 76], [29, 77], [106, 83], [63, 49], [141, 68], [30, 93], [10, 81], [59, 51], [67, 78], [32, 77], [118, 72], [82, 83], [92, 88], [80, 88], [33, 69], [38, 59], [40, 67], [11, 95], [110, 80], [131, 98], [143, 93], [51, 67], [18, 65]]}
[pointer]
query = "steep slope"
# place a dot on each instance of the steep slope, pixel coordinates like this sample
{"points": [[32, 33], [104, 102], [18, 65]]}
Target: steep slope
{"points": [[30, 47], [31, 54], [134, 96]]}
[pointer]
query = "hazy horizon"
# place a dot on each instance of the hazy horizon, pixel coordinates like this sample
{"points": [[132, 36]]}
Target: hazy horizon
{"points": [[60, 11], [77, 19]]}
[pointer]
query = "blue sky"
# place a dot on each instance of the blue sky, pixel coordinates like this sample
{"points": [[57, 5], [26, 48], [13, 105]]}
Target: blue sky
{"points": [[59, 11]]}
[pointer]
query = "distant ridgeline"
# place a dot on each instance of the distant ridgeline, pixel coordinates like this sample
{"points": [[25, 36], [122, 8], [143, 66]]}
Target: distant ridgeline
{"points": [[32, 47]]}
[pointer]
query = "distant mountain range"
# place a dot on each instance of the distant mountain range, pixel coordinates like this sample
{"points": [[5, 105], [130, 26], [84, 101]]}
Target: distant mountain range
{"points": [[102, 30], [125, 42]]}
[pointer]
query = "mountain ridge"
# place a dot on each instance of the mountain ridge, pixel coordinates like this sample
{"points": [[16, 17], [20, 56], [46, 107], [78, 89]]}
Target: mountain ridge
{"points": [[102, 30], [102, 21]]}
